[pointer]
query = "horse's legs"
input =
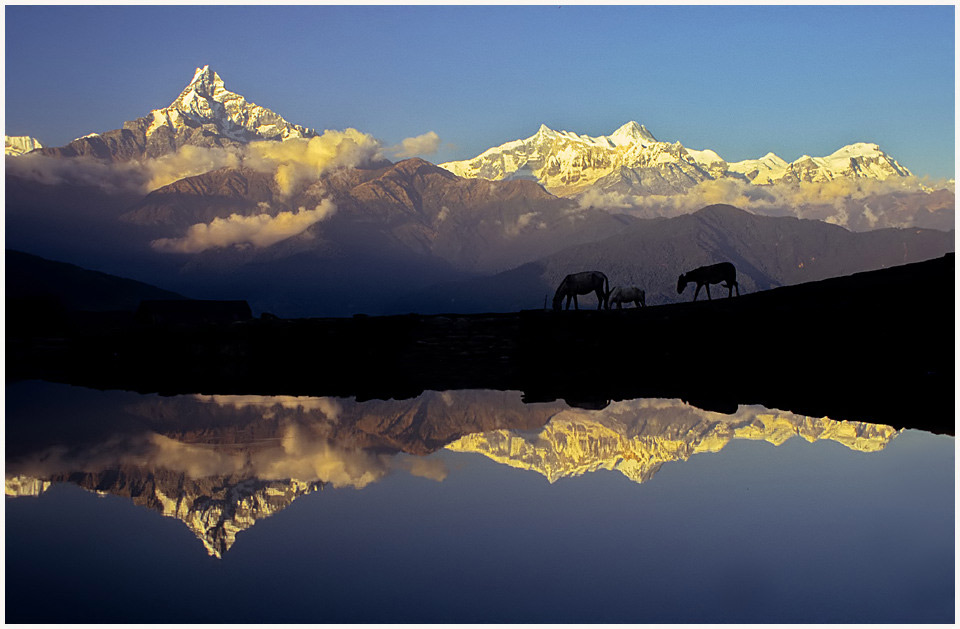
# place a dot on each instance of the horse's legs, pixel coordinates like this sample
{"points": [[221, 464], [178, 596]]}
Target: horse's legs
{"points": [[708, 291], [737, 286], [697, 292], [576, 305], [600, 299]]}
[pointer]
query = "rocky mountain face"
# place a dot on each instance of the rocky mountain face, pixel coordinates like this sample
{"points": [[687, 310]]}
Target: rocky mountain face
{"points": [[220, 463], [631, 160], [767, 252], [205, 114], [412, 206], [19, 144]]}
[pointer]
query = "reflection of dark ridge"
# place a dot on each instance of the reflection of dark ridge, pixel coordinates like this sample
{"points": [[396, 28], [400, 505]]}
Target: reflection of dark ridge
{"points": [[875, 346]]}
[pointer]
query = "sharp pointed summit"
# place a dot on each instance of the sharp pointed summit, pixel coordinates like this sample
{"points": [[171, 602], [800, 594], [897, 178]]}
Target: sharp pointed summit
{"points": [[631, 133], [205, 82], [204, 114]]}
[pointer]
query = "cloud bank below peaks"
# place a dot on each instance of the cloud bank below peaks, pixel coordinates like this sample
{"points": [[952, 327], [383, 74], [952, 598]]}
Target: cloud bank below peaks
{"points": [[856, 204], [258, 230], [294, 163]]}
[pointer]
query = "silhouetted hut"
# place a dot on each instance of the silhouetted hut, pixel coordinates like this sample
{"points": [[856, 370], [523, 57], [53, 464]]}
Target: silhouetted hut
{"points": [[192, 311]]}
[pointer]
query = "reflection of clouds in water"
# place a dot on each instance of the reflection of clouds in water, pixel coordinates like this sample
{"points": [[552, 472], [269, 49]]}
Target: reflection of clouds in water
{"points": [[196, 461], [432, 469], [298, 455], [304, 458], [329, 407]]}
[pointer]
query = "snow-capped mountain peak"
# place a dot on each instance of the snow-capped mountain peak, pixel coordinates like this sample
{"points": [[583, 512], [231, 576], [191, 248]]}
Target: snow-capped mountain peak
{"points": [[206, 101], [204, 114], [632, 161], [632, 133], [19, 144]]}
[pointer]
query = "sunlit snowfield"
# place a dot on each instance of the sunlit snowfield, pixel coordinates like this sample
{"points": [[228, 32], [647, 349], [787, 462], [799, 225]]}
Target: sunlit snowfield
{"points": [[466, 506]]}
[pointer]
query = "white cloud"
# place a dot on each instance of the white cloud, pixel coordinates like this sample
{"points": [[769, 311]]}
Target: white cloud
{"points": [[298, 162], [425, 144], [596, 198], [188, 161], [259, 230], [851, 203]]}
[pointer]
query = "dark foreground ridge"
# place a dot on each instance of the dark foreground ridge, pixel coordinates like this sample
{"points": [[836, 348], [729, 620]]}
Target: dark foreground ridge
{"points": [[875, 347]]}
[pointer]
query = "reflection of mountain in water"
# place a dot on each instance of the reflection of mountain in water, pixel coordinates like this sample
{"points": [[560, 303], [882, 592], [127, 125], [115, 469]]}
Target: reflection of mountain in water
{"points": [[220, 463], [636, 437]]}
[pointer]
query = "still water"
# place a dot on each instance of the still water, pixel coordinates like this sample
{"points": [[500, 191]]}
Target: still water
{"points": [[466, 506]]}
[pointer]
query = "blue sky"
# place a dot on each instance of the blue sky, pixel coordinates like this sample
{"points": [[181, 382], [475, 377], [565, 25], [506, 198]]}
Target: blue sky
{"points": [[741, 80]]}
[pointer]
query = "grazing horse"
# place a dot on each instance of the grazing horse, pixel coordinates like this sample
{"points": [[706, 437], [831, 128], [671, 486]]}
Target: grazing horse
{"points": [[582, 284], [621, 294], [707, 275]]}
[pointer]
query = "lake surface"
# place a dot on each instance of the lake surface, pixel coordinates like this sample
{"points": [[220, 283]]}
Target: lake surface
{"points": [[466, 506]]}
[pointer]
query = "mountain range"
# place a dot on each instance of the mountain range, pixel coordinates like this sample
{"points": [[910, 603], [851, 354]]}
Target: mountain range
{"points": [[214, 196], [632, 160]]}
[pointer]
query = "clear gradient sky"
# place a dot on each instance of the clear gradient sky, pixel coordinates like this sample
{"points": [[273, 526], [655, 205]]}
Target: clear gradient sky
{"points": [[739, 80]]}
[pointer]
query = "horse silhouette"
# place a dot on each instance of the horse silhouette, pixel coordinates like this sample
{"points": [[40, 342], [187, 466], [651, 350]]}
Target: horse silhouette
{"points": [[712, 274], [582, 283], [621, 294]]}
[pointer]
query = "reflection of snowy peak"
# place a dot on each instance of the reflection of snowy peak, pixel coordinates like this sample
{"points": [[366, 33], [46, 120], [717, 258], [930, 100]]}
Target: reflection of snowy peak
{"points": [[637, 437], [19, 144], [21, 486], [215, 508], [631, 159]]}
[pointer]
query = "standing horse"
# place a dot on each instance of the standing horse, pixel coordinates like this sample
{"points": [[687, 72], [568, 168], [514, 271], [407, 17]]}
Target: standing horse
{"points": [[582, 284], [621, 294], [707, 275]]}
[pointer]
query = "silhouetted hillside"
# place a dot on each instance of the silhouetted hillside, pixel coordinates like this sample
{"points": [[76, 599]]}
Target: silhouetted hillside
{"points": [[31, 278], [767, 251], [874, 346]]}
